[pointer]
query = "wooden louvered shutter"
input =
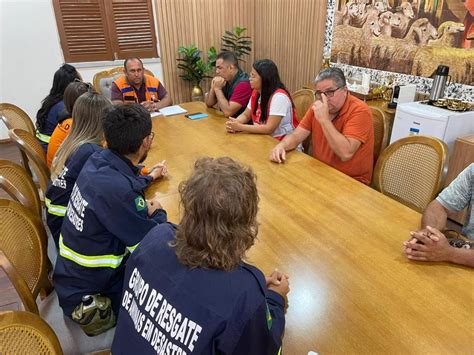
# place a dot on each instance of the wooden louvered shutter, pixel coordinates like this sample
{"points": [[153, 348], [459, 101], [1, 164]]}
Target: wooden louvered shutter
{"points": [[94, 30], [132, 27], [82, 30]]}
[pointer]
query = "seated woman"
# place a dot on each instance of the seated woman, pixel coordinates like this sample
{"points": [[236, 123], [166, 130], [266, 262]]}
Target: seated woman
{"points": [[52, 107], [85, 138], [188, 290], [72, 92], [270, 107]]}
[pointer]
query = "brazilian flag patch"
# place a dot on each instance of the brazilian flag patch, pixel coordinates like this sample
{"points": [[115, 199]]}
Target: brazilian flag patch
{"points": [[269, 319], [140, 203]]}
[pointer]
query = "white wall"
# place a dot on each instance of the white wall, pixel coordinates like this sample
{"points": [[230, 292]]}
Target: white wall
{"points": [[30, 53]]}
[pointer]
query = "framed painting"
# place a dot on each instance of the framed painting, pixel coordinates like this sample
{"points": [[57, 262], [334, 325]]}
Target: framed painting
{"points": [[408, 37]]}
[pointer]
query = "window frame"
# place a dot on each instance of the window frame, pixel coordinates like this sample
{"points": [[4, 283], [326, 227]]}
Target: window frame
{"points": [[113, 45]]}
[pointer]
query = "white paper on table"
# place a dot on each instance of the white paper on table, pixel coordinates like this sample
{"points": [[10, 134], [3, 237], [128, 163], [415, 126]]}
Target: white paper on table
{"points": [[172, 110], [154, 114]]}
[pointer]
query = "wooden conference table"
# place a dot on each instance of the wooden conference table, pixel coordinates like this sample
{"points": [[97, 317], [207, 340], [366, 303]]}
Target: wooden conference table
{"points": [[352, 290]]}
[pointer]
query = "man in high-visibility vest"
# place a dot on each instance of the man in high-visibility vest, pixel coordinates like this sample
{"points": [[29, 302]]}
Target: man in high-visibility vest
{"points": [[137, 87], [107, 216]]}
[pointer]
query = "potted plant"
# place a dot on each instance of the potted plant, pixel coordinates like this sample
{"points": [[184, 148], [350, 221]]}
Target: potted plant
{"points": [[235, 42], [194, 68]]}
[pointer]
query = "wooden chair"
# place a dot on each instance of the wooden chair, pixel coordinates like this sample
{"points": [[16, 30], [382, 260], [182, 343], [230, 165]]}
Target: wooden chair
{"points": [[33, 150], [411, 170], [15, 117], [103, 80], [380, 131], [303, 99], [20, 186], [26, 333], [23, 258], [23, 252]]}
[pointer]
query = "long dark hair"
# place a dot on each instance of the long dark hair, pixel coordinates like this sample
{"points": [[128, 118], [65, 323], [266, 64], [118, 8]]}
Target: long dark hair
{"points": [[271, 82], [63, 76]]}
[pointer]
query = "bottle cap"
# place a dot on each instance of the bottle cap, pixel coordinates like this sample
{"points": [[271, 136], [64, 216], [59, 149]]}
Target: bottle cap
{"points": [[442, 70]]}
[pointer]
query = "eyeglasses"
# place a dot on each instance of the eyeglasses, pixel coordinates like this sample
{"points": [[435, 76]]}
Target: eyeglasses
{"points": [[327, 93]]}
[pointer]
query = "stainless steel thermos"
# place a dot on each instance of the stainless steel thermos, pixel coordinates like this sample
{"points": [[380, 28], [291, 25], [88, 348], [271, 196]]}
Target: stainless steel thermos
{"points": [[439, 83]]}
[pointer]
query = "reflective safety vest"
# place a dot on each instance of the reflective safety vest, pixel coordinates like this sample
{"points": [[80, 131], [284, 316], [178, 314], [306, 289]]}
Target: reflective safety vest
{"points": [[128, 92], [286, 125]]}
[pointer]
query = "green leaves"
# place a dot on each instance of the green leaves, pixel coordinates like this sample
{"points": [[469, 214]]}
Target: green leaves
{"points": [[212, 56], [193, 68], [239, 30], [235, 42]]}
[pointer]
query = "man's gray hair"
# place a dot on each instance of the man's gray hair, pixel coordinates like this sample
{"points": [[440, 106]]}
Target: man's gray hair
{"points": [[334, 74]]}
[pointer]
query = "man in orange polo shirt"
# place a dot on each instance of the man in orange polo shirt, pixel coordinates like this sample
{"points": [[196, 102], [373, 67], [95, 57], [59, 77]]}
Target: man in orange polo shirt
{"points": [[341, 128]]}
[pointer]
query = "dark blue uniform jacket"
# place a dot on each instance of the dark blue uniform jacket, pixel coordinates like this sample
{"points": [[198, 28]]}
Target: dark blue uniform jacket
{"points": [[171, 309], [56, 113], [59, 190], [106, 218]]}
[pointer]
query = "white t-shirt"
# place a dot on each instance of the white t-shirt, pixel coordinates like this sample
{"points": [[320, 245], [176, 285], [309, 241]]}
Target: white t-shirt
{"points": [[280, 106]]}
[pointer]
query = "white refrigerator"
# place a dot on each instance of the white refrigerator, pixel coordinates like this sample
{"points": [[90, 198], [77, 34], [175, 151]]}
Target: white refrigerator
{"points": [[416, 118]]}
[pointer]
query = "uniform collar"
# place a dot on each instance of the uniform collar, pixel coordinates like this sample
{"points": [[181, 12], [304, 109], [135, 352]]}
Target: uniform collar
{"points": [[125, 165]]}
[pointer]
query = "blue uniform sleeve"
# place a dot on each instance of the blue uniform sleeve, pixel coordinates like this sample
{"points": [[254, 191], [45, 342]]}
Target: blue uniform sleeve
{"points": [[264, 331], [159, 216], [126, 216], [276, 307]]}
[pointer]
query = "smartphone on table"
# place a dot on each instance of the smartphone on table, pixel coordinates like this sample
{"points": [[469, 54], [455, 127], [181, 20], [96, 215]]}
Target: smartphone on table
{"points": [[196, 115]]}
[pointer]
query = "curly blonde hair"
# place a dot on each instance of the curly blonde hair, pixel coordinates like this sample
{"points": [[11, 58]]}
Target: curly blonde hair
{"points": [[220, 202]]}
